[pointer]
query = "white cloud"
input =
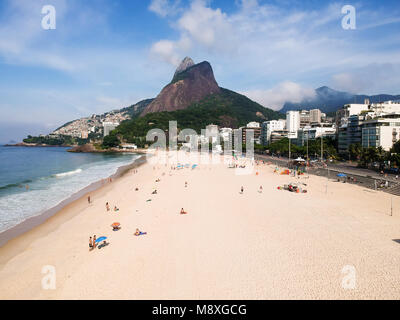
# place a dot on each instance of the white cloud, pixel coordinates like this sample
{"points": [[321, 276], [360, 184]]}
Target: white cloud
{"points": [[166, 50], [267, 43], [276, 97], [164, 7], [372, 79]]}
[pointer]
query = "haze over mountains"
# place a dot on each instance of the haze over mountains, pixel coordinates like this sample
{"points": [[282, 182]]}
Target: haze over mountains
{"points": [[330, 100]]}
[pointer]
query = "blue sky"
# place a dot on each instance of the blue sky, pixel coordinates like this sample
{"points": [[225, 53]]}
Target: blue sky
{"points": [[110, 54]]}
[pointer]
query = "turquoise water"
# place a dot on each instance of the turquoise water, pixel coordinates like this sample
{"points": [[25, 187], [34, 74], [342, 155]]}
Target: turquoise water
{"points": [[51, 174]]}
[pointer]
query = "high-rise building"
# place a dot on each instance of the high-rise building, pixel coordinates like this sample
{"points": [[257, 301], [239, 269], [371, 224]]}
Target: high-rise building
{"points": [[255, 127], [292, 123], [108, 127], [381, 132], [315, 116], [304, 118], [268, 127]]}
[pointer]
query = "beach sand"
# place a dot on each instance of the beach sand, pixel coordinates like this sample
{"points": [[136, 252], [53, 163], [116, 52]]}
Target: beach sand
{"points": [[270, 245]]}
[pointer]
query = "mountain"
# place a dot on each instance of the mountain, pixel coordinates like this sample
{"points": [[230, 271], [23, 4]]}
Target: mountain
{"points": [[193, 98], [329, 100], [185, 64], [191, 83], [225, 109]]}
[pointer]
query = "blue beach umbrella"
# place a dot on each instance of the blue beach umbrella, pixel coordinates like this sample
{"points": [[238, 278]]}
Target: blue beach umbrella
{"points": [[341, 175], [101, 239]]}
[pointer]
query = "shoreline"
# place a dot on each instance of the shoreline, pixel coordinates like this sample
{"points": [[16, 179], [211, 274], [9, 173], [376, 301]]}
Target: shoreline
{"points": [[268, 244], [31, 223]]}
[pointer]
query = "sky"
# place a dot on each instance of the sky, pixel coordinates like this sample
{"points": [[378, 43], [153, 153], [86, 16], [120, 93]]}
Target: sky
{"points": [[108, 54]]}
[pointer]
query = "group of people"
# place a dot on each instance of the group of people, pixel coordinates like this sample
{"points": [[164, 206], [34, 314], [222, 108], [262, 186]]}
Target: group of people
{"points": [[108, 207], [92, 242], [260, 190]]}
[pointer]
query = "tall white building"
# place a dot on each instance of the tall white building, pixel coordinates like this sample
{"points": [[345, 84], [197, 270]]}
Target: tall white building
{"points": [[292, 123], [270, 126], [381, 132], [108, 127]]}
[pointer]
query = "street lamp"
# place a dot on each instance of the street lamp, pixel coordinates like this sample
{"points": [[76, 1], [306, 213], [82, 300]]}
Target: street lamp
{"points": [[322, 148]]}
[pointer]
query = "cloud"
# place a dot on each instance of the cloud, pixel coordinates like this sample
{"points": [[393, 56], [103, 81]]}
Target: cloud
{"points": [[271, 43], [276, 97], [375, 78], [166, 50], [164, 8]]}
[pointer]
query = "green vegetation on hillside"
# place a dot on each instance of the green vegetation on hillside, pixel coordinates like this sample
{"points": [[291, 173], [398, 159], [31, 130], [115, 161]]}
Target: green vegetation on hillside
{"points": [[56, 141], [136, 109], [226, 109]]}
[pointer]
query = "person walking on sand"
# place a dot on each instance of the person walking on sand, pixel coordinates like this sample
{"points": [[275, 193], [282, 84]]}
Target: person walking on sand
{"points": [[261, 189], [94, 241], [241, 190], [88, 199], [186, 184], [107, 206], [90, 244]]}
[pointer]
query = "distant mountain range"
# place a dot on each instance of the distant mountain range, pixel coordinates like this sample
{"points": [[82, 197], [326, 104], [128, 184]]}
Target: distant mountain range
{"points": [[329, 100]]}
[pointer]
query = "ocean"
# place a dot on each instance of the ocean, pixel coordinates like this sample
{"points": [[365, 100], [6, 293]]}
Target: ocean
{"points": [[35, 179]]}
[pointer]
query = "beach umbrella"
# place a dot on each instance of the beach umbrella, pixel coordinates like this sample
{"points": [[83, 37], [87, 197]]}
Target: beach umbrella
{"points": [[101, 239], [115, 224], [341, 175]]}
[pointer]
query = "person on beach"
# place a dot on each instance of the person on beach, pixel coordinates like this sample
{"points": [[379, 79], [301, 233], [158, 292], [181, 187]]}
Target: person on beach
{"points": [[183, 211], [186, 184], [116, 209], [139, 233], [90, 244], [94, 241], [241, 190], [107, 206], [261, 189], [88, 199]]}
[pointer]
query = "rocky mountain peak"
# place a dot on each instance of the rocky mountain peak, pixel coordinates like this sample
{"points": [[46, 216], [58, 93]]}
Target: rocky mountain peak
{"points": [[191, 83], [185, 64]]}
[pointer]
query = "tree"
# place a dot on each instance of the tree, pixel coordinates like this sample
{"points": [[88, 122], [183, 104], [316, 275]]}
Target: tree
{"points": [[396, 147], [111, 141]]}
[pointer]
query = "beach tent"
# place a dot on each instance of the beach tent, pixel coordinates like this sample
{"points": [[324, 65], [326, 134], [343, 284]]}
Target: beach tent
{"points": [[341, 175], [300, 160]]}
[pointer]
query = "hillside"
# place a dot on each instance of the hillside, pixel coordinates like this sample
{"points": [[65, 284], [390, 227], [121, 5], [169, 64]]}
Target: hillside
{"points": [[226, 109]]}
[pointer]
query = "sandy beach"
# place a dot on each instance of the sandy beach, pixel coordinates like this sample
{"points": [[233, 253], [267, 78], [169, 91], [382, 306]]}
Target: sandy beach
{"points": [[270, 245]]}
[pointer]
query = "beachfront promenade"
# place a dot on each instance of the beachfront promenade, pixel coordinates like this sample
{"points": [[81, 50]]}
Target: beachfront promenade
{"points": [[333, 242]]}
